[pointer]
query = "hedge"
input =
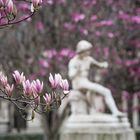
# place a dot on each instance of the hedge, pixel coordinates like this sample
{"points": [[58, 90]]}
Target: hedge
{"points": [[21, 136]]}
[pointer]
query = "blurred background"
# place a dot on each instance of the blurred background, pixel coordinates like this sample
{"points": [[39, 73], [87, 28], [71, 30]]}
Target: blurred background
{"points": [[47, 42]]}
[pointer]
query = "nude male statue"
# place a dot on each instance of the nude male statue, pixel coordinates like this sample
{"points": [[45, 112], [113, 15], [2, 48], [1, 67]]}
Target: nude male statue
{"points": [[79, 67]]}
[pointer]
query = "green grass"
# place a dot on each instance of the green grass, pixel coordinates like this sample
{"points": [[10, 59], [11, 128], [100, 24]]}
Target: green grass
{"points": [[21, 137]]}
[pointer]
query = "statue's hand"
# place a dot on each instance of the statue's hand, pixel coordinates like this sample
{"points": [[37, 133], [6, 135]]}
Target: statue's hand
{"points": [[104, 64]]}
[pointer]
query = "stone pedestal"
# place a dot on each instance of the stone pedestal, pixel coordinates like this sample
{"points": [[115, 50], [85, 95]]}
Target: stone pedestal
{"points": [[96, 127]]}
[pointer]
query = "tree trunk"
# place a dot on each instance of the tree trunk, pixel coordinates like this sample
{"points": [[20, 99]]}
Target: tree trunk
{"points": [[49, 134]]}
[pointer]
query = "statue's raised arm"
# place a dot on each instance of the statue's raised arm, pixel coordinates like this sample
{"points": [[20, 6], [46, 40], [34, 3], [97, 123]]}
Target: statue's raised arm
{"points": [[99, 64]]}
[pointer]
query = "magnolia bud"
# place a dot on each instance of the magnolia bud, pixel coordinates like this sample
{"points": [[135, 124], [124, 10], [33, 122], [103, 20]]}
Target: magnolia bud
{"points": [[1, 3], [5, 2], [10, 6], [36, 3]]}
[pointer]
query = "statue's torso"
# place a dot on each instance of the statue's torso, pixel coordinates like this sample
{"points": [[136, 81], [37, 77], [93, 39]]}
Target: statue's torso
{"points": [[82, 67]]}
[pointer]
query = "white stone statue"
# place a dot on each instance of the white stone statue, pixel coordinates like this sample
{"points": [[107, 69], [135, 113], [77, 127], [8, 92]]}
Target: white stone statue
{"points": [[79, 67], [85, 124]]}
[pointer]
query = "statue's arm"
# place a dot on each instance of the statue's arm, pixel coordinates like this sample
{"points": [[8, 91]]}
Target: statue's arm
{"points": [[99, 64]]}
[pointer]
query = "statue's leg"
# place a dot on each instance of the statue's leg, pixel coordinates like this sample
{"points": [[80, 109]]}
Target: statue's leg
{"points": [[86, 84]]}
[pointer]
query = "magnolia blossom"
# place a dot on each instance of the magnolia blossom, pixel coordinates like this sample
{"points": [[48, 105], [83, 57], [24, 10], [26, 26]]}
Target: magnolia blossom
{"points": [[3, 80], [50, 53], [32, 91], [19, 78], [78, 17], [1, 3], [10, 6], [84, 31], [9, 89], [66, 52], [4, 2], [44, 63], [55, 81], [47, 98], [65, 86], [69, 26], [50, 2], [93, 18], [36, 98], [135, 19], [104, 23], [35, 4], [27, 87], [37, 86], [111, 35]]}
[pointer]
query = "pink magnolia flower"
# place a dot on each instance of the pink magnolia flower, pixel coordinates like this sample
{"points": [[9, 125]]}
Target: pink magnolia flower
{"points": [[37, 86], [104, 23], [27, 87], [111, 35], [65, 86], [49, 54], [124, 16], [5, 2], [1, 3], [9, 89], [19, 78], [36, 98], [135, 19], [50, 2], [66, 52], [93, 18], [36, 3], [3, 80], [10, 6], [47, 98], [55, 81], [78, 17], [69, 26], [84, 31], [44, 63]]}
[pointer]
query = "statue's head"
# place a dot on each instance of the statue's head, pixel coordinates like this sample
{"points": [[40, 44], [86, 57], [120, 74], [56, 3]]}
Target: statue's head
{"points": [[83, 46]]}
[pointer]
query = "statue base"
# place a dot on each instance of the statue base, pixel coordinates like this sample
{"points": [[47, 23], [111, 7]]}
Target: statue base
{"points": [[96, 127]]}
